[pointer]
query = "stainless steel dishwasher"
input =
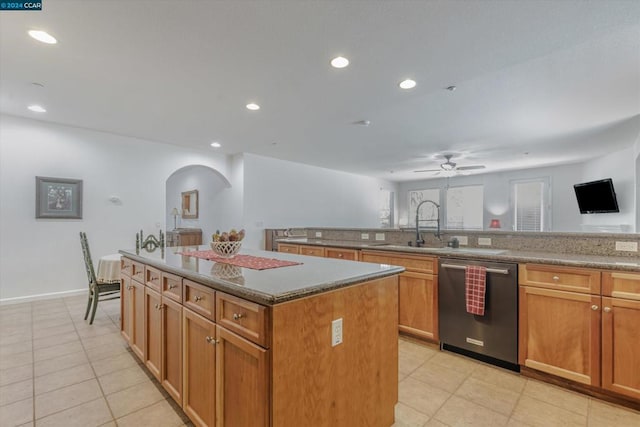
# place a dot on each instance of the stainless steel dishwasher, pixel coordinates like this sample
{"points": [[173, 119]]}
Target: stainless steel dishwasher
{"points": [[492, 337]]}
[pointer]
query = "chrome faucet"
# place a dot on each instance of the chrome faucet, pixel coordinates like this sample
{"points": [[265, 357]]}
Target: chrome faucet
{"points": [[419, 239]]}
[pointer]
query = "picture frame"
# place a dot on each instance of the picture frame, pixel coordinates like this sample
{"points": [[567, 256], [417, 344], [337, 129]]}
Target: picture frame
{"points": [[58, 198]]}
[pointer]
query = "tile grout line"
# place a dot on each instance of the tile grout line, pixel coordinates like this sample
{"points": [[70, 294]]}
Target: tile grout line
{"points": [[95, 375]]}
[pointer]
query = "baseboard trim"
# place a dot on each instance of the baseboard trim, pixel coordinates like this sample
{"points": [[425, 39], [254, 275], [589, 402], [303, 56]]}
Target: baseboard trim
{"points": [[51, 295]]}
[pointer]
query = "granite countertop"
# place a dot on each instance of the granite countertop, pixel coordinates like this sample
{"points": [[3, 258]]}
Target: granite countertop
{"points": [[572, 260], [269, 287]]}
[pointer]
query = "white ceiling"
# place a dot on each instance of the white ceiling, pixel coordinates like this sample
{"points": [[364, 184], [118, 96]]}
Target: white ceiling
{"points": [[559, 80]]}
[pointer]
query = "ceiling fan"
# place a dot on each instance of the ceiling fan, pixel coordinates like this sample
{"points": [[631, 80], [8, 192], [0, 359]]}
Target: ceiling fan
{"points": [[450, 166]]}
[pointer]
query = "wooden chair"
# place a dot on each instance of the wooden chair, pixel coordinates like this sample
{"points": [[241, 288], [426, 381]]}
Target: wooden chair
{"points": [[96, 289]]}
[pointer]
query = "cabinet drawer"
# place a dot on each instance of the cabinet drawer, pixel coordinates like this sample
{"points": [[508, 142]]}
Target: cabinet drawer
{"points": [[245, 318], [558, 277], [152, 278], [417, 263], [137, 271], [172, 286], [312, 250], [290, 249], [621, 285], [199, 298], [349, 254], [126, 266]]}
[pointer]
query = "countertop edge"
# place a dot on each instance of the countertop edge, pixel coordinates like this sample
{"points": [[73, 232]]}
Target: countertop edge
{"points": [[621, 263], [256, 296]]}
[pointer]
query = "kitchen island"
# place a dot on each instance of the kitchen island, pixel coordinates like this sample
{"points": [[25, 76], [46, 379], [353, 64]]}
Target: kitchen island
{"points": [[313, 344]]}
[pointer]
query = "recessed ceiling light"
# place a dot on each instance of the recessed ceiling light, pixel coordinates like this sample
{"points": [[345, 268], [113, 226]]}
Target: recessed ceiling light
{"points": [[216, 145], [43, 36], [37, 109], [339, 62], [407, 84], [253, 107], [362, 123], [451, 88]]}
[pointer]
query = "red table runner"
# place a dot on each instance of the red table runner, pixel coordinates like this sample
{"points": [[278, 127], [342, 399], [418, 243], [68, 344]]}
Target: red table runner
{"points": [[248, 261]]}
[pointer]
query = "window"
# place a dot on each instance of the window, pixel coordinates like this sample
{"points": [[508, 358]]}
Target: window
{"points": [[465, 207], [428, 212], [529, 204], [386, 208]]}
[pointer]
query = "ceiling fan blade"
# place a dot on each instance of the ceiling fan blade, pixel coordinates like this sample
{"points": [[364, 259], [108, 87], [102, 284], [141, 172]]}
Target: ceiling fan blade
{"points": [[428, 170], [468, 168]]}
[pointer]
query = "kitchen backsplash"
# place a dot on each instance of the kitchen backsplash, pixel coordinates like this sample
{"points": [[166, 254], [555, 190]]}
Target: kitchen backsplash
{"points": [[576, 243]]}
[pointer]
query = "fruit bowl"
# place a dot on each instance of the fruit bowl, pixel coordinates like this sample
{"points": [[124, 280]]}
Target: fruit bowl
{"points": [[226, 249]]}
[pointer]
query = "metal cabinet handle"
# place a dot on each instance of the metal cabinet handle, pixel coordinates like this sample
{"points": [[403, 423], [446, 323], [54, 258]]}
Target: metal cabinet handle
{"points": [[556, 278], [607, 309], [238, 316], [594, 307], [211, 340], [129, 287], [156, 306], [172, 286], [197, 298], [340, 255]]}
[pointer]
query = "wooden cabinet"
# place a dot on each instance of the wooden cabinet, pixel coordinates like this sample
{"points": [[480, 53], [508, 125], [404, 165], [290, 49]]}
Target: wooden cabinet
{"points": [[560, 278], [199, 298], [243, 317], [153, 332], [417, 291], [620, 333], [312, 250], [341, 253], [171, 367], [184, 237], [560, 333], [132, 314], [288, 248], [199, 356], [242, 380]]}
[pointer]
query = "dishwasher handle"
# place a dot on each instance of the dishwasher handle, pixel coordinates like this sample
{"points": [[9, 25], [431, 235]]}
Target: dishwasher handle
{"points": [[463, 267]]}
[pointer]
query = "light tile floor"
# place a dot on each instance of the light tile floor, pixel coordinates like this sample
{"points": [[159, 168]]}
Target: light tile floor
{"points": [[56, 370]]}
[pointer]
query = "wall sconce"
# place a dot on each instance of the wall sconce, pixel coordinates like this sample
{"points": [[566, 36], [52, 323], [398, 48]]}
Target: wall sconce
{"points": [[175, 215], [495, 223]]}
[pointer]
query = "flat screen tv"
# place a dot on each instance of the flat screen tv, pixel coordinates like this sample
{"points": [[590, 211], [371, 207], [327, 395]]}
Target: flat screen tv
{"points": [[596, 197]]}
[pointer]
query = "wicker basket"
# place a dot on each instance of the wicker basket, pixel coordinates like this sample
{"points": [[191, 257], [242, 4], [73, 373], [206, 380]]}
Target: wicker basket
{"points": [[226, 249]]}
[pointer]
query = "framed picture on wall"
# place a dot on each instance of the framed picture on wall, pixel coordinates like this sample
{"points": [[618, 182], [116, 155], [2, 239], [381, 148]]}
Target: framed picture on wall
{"points": [[58, 198]]}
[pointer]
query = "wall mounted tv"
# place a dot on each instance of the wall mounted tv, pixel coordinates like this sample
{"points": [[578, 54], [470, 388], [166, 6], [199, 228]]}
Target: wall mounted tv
{"points": [[596, 197]]}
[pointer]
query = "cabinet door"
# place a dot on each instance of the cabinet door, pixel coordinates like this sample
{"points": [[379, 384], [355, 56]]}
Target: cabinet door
{"points": [[621, 346], [171, 373], [418, 304], [340, 253], [560, 333], [199, 354], [136, 341], [126, 308], [153, 332], [242, 382]]}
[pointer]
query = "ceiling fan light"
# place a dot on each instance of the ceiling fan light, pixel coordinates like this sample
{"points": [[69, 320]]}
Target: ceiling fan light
{"points": [[448, 166]]}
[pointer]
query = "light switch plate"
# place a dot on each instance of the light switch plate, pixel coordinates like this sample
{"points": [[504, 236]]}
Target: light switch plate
{"points": [[364, 236], [318, 233], [379, 236], [484, 241], [336, 332], [627, 246]]}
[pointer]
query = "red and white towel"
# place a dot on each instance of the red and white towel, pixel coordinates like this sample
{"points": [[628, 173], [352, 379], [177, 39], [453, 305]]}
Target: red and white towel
{"points": [[475, 283]]}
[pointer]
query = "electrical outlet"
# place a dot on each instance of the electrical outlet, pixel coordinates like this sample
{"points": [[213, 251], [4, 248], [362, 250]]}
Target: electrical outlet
{"points": [[484, 241], [318, 233], [464, 240], [364, 236], [627, 246], [379, 236], [336, 332]]}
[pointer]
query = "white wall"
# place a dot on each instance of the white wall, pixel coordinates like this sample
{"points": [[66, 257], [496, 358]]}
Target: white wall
{"points": [[564, 213], [210, 186], [44, 256], [279, 193], [620, 166]]}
